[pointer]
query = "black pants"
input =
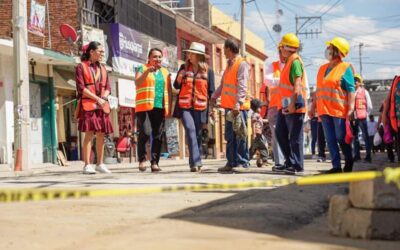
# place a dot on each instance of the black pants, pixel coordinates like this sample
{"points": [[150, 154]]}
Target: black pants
{"points": [[156, 117], [321, 140], [259, 143], [394, 146]]}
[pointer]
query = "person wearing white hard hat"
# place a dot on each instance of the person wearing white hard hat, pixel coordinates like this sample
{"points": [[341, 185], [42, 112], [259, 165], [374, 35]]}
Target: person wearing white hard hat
{"points": [[335, 101]]}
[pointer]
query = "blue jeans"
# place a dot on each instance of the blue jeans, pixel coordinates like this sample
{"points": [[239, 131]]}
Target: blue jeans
{"points": [[314, 134], [362, 124], [191, 120], [335, 131], [290, 136], [237, 152]]}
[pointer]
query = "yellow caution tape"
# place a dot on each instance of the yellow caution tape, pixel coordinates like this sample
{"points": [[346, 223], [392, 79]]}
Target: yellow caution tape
{"points": [[339, 178], [36, 194], [392, 175]]}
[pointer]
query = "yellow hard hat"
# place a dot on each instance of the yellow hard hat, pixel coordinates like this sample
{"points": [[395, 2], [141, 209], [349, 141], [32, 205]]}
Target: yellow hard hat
{"points": [[341, 44], [291, 40], [358, 76]]}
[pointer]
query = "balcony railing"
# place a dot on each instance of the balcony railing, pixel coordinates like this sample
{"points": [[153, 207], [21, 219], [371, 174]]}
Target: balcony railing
{"points": [[90, 18]]}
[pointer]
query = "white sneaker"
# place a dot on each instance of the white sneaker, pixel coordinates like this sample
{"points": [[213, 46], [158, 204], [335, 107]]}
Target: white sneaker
{"points": [[103, 169], [88, 169]]}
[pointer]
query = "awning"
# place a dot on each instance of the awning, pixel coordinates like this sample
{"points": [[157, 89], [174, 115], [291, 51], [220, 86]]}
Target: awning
{"points": [[198, 30], [64, 79], [40, 55]]}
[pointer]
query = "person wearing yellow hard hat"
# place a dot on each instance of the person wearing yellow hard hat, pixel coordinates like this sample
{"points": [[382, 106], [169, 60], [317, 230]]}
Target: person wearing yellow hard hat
{"points": [[292, 108], [335, 101], [362, 107]]}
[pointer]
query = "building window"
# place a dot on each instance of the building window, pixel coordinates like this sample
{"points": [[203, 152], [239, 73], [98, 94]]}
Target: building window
{"points": [[218, 60], [184, 45]]}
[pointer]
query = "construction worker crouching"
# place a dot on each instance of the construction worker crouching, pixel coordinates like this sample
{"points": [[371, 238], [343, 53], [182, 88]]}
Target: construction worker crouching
{"points": [[335, 101], [292, 89]]}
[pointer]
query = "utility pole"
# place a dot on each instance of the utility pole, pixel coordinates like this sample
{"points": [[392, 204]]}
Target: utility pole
{"points": [[360, 45], [242, 31], [21, 86]]}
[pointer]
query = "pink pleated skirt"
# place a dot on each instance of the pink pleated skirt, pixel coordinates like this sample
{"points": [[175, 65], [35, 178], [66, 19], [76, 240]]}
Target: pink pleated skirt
{"points": [[96, 121]]}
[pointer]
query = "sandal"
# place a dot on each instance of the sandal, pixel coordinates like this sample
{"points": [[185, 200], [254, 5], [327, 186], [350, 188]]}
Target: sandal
{"points": [[155, 168], [142, 167]]}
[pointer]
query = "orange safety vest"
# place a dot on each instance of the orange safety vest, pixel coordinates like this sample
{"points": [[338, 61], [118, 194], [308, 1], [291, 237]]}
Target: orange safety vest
{"points": [[90, 78], [229, 87], [361, 104], [274, 97], [392, 108], [331, 98], [145, 92], [194, 94], [286, 88]]}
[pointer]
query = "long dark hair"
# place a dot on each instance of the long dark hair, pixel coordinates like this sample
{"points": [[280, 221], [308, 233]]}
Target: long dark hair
{"points": [[151, 52], [91, 46]]}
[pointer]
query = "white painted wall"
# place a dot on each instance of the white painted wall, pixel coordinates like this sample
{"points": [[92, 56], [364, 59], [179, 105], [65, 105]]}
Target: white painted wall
{"points": [[6, 108]]}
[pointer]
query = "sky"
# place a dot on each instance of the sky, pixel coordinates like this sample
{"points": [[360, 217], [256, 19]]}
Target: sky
{"points": [[375, 23]]}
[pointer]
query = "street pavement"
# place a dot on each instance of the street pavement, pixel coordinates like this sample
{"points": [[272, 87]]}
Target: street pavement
{"points": [[287, 217]]}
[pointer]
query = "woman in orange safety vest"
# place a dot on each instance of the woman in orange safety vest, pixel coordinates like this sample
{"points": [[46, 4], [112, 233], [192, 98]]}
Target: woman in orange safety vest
{"points": [[93, 87], [195, 82], [153, 91], [335, 101]]}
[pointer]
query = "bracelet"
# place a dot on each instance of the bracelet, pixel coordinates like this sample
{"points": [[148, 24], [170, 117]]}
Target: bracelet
{"points": [[105, 98]]}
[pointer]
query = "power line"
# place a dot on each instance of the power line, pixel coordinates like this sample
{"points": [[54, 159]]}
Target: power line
{"points": [[265, 25], [325, 12]]}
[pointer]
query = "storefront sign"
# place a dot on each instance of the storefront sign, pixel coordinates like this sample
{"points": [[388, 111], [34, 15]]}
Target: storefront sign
{"points": [[126, 93], [37, 19], [129, 48]]}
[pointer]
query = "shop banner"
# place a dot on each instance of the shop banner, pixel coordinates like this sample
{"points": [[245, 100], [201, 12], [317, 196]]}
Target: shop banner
{"points": [[37, 19], [127, 93], [129, 47]]}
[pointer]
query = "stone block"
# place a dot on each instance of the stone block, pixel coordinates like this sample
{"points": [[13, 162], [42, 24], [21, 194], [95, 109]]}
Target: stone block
{"points": [[337, 207], [371, 224], [374, 194]]}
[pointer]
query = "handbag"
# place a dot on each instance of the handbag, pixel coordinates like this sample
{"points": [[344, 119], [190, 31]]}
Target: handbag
{"points": [[377, 139], [387, 134], [349, 133]]}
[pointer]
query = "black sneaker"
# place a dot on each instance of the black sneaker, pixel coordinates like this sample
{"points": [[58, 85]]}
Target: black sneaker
{"points": [[358, 158], [368, 159], [348, 167], [226, 168], [279, 168], [333, 171], [294, 171]]}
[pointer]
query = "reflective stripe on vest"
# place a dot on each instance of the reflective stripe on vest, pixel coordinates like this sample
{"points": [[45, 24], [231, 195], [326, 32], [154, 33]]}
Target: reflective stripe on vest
{"points": [[361, 104], [229, 87], [194, 95], [331, 98], [145, 93], [286, 88], [274, 98]]}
